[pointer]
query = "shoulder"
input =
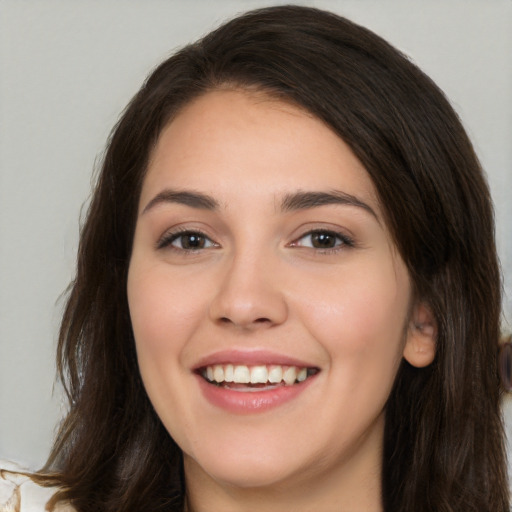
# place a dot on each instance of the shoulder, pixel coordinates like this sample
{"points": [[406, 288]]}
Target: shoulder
{"points": [[19, 493]]}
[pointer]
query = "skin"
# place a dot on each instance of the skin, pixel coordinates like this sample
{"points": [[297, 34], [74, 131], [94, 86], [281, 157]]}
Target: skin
{"points": [[260, 283]]}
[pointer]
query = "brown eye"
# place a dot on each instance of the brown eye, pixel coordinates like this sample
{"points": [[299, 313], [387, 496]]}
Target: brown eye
{"points": [[324, 239], [186, 241], [190, 241]]}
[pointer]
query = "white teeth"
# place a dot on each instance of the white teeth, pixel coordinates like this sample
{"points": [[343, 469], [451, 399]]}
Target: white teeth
{"points": [[218, 373], [261, 374], [229, 373], [290, 375], [241, 375], [302, 374], [275, 374]]}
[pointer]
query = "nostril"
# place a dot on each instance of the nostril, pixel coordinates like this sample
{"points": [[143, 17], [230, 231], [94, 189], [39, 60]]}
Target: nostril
{"points": [[260, 320]]}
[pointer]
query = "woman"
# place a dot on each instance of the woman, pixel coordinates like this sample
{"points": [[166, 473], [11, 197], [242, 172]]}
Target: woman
{"points": [[287, 292]]}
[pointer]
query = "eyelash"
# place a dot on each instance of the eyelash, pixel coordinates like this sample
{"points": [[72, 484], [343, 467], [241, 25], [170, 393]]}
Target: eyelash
{"points": [[345, 241], [167, 241]]}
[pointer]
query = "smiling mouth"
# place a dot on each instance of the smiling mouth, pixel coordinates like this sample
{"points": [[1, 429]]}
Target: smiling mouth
{"points": [[255, 378]]}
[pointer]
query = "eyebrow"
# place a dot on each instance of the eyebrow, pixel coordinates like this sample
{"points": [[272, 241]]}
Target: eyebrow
{"points": [[300, 200], [304, 200], [185, 197]]}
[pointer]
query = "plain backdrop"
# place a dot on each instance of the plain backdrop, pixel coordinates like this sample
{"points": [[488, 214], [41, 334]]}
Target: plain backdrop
{"points": [[67, 69]]}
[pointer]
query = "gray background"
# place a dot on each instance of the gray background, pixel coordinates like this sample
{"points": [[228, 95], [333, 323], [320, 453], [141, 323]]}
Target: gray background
{"points": [[67, 69]]}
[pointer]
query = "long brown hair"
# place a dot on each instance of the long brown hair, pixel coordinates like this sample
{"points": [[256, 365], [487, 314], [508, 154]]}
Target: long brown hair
{"points": [[443, 447]]}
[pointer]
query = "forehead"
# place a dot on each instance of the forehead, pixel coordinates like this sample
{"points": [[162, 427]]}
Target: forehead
{"points": [[226, 140]]}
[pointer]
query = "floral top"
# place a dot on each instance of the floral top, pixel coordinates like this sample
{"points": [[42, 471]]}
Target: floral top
{"points": [[19, 493]]}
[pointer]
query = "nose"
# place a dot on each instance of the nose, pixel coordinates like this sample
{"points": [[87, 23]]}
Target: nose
{"points": [[250, 294]]}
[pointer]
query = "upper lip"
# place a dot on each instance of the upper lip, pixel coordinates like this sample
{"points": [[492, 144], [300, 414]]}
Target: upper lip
{"points": [[250, 358]]}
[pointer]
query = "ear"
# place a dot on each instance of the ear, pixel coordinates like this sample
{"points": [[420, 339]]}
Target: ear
{"points": [[420, 346]]}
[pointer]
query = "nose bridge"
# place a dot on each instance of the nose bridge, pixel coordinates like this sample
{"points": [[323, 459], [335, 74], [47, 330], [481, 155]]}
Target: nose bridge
{"points": [[249, 294]]}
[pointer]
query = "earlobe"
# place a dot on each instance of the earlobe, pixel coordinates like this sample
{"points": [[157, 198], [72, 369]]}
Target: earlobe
{"points": [[420, 346]]}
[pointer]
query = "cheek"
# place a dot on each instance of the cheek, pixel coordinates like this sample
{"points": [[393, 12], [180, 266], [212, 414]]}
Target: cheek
{"points": [[164, 311], [164, 315], [360, 313]]}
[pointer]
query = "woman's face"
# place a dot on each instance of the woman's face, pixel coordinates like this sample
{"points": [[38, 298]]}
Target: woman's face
{"points": [[261, 254]]}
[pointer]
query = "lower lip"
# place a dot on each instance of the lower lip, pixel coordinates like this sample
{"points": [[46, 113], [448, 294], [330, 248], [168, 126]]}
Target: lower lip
{"points": [[247, 402]]}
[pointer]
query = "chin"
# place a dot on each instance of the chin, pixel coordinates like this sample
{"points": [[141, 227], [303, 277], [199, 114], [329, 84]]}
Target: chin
{"points": [[244, 471]]}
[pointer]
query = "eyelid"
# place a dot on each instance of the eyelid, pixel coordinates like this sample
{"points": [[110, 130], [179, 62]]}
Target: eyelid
{"points": [[165, 241], [346, 240]]}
